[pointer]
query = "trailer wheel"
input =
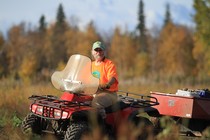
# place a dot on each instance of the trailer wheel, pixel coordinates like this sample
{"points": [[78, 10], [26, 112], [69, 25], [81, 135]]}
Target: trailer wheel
{"points": [[76, 131], [31, 124]]}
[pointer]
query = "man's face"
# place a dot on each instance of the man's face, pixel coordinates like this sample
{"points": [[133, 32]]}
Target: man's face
{"points": [[98, 54]]}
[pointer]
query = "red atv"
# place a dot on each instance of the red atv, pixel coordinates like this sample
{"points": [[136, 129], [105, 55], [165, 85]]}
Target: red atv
{"points": [[71, 116]]}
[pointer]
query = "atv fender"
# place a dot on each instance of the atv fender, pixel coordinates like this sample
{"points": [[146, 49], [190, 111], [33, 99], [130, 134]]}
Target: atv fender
{"points": [[80, 115], [152, 112], [86, 116]]}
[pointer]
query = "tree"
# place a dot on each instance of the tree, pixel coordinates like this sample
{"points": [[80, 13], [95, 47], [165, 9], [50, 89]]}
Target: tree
{"points": [[48, 54], [3, 60], [202, 35], [15, 47], [39, 39], [153, 39], [1, 41], [58, 40], [60, 18], [167, 15], [74, 37], [122, 47], [174, 57], [28, 67], [141, 27], [42, 24], [20, 47], [91, 36], [81, 42]]}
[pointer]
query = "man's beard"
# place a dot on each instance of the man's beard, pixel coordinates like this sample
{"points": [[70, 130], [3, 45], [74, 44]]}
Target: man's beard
{"points": [[98, 57]]}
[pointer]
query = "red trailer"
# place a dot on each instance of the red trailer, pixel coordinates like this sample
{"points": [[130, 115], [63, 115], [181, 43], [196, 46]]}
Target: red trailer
{"points": [[185, 106]]}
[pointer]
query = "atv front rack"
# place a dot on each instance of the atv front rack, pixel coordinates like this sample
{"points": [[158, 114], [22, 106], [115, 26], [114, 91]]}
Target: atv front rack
{"points": [[53, 101], [137, 100], [48, 106]]}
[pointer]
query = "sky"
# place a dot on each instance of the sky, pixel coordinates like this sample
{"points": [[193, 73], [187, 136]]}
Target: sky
{"points": [[106, 14]]}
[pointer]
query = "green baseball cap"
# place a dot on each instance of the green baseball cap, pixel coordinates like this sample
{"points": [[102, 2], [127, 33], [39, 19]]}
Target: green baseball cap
{"points": [[98, 44]]}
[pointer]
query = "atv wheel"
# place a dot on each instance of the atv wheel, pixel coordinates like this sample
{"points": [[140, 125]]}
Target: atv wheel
{"points": [[31, 124], [145, 127], [76, 131]]}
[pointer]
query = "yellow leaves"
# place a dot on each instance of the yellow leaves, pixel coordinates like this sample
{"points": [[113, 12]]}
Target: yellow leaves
{"points": [[175, 51], [61, 66], [81, 42], [84, 47], [28, 67], [198, 51], [168, 54], [141, 64], [201, 53], [123, 52]]}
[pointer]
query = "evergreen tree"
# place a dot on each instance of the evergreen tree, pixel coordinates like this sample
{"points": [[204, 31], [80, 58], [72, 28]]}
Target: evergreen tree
{"points": [[60, 25], [167, 15], [141, 27], [40, 40], [3, 62], [1, 41], [60, 19], [42, 24], [58, 39]]}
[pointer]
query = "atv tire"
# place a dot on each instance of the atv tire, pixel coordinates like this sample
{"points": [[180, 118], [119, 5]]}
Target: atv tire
{"points": [[31, 124], [76, 131], [145, 126]]}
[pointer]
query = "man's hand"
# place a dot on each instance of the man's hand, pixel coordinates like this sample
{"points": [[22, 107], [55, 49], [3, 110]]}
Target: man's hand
{"points": [[104, 86]]}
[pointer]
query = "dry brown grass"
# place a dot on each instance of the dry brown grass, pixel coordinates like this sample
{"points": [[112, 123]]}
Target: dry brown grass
{"points": [[14, 103]]}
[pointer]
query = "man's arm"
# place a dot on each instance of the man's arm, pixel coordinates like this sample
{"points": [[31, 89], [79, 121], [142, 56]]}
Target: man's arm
{"points": [[108, 84], [112, 81]]}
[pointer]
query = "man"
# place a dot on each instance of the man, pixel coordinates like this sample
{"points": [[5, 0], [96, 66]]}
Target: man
{"points": [[105, 70]]}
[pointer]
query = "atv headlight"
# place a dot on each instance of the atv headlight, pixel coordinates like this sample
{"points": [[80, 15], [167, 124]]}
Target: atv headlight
{"points": [[60, 114], [39, 109], [33, 108]]}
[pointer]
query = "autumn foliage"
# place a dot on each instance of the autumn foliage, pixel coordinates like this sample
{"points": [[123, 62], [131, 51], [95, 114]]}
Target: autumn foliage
{"points": [[176, 53], [160, 59]]}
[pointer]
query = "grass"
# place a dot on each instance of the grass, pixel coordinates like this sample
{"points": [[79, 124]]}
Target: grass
{"points": [[14, 103]]}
